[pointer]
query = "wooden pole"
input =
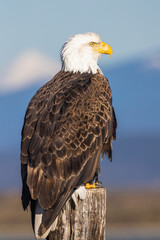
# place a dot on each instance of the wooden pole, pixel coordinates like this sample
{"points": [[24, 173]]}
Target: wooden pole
{"points": [[83, 222]]}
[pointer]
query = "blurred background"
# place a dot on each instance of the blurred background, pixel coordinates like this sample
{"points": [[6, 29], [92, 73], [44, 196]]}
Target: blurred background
{"points": [[32, 34]]}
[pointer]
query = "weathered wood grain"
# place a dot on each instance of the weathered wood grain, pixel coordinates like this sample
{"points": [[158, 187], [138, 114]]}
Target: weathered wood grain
{"points": [[86, 221]]}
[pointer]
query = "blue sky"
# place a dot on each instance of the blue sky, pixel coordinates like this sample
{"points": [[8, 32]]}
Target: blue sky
{"points": [[130, 27]]}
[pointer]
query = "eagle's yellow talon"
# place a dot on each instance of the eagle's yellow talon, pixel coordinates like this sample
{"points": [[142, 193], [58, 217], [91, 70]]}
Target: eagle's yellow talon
{"points": [[88, 185], [93, 185]]}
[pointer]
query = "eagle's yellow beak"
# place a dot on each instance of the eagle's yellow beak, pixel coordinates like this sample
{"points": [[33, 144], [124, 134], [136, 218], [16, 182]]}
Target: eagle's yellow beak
{"points": [[103, 48]]}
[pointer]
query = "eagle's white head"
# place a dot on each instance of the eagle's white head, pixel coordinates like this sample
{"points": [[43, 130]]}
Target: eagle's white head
{"points": [[80, 53]]}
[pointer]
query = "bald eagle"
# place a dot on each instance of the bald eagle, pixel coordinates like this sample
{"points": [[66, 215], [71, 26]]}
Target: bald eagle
{"points": [[68, 124]]}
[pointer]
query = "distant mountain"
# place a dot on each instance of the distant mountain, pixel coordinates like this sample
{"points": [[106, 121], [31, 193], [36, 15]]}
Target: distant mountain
{"points": [[13, 107], [135, 164], [136, 98]]}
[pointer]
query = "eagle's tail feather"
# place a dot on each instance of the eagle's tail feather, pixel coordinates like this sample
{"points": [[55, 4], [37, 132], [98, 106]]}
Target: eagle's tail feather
{"points": [[51, 214]]}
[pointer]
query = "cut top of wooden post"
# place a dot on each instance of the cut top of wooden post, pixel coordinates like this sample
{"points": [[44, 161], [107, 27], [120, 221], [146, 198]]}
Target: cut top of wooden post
{"points": [[85, 221]]}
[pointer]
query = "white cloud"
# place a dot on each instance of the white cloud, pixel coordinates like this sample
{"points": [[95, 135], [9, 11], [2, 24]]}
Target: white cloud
{"points": [[29, 68]]}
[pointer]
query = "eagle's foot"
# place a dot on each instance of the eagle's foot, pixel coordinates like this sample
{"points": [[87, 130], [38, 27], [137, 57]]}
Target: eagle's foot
{"points": [[93, 185]]}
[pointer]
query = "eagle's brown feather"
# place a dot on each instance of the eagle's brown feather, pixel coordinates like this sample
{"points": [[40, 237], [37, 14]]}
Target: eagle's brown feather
{"points": [[69, 122]]}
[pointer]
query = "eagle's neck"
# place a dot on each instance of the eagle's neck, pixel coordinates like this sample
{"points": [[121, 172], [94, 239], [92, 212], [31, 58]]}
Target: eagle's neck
{"points": [[81, 66]]}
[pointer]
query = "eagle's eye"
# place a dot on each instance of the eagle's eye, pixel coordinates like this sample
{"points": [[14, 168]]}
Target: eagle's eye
{"points": [[92, 44]]}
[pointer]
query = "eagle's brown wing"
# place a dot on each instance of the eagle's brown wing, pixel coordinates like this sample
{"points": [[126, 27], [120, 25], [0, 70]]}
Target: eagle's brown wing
{"points": [[69, 122]]}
